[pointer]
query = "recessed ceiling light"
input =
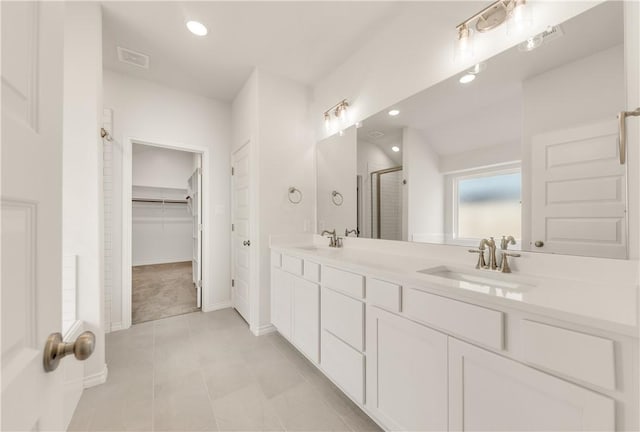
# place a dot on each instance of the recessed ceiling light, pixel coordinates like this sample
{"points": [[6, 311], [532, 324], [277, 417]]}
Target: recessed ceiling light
{"points": [[394, 112], [467, 78], [395, 149], [197, 28]]}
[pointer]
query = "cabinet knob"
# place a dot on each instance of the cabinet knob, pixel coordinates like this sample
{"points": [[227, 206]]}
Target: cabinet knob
{"points": [[539, 243], [247, 242]]}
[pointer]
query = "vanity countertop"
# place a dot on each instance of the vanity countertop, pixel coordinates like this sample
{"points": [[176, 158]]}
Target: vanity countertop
{"points": [[593, 304]]}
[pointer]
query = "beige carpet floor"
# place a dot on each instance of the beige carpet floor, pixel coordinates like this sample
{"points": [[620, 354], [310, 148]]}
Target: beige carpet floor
{"points": [[162, 290]]}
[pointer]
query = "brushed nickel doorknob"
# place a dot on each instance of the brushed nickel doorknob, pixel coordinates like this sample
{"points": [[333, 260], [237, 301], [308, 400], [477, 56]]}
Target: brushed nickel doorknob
{"points": [[55, 349]]}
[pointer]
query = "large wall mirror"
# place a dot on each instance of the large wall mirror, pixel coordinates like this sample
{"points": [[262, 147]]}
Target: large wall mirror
{"points": [[524, 145]]}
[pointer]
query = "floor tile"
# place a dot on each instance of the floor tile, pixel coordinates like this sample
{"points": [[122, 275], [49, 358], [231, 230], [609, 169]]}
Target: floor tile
{"points": [[246, 409]]}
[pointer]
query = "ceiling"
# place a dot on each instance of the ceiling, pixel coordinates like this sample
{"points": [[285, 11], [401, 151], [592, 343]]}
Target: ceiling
{"points": [[299, 40], [456, 118]]}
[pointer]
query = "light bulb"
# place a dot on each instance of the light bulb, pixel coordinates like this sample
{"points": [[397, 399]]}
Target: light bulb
{"points": [[520, 20], [343, 113], [464, 44]]}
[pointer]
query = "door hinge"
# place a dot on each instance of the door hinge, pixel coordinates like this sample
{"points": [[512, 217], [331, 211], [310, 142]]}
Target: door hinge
{"points": [[233, 283], [233, 227], [232, 171]]}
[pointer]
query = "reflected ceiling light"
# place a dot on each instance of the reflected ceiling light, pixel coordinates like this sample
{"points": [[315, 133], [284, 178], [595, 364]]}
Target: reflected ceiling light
{"points": [[395, 149], [197, 28], [467, 78], [532, 43], [516, 13], [394, 112], [339, 111]]}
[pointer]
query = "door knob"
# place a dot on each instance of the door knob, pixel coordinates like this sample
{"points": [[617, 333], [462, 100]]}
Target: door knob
{"points": [[55, 349], [247, 242]]}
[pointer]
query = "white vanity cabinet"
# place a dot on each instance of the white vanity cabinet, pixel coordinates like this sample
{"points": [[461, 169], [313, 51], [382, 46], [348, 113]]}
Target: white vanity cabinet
{"points": [[295, 306], [406, 373], [490, 392], [416, 359]]}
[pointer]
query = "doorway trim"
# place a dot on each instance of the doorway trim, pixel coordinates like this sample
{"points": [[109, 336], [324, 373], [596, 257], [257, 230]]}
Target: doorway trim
{"points": [[127, 212]]}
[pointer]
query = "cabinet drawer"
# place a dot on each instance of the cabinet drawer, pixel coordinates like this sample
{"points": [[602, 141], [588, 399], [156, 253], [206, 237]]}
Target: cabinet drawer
{"points": [[311, 271], [276, 259], [582, 356], [485, 326], [383, 294], [340, 280], [344, 317], [344, 365], [292, 264]]}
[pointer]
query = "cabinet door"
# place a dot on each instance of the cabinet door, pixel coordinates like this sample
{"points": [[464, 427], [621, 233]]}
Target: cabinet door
{"points": [[306, 318], [406, 373], [281, 293], [490, 392]]}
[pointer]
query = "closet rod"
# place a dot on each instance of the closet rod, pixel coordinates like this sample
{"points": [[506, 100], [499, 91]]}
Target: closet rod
{"points": [[163, 201]]}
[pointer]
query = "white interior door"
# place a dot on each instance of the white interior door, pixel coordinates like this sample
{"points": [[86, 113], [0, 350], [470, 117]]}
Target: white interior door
{"points": [[195, 192], [32, 53], [241, 235], [579, 192]]}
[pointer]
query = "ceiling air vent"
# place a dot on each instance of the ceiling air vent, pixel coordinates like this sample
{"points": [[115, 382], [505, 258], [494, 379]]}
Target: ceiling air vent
{"points": [[131, 57], [375, 134]]}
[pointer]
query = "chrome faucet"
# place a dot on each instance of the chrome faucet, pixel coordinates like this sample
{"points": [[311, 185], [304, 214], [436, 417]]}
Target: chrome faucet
{"points": [[506, 241], [334, 240], [491, 244], [347, 231]]}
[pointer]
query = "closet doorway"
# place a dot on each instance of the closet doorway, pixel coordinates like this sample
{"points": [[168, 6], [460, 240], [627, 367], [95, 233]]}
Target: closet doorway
{"points": [[165, 232]]}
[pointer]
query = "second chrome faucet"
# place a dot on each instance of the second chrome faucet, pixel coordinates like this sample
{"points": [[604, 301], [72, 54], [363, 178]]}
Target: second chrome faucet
{"points": [[490, 246]]}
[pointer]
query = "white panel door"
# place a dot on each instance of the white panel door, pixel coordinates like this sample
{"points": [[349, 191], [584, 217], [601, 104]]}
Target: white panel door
{"points": [[240, 237], [488, 392], [406, 373], [32, 53], [579, 192], [195, 193]]}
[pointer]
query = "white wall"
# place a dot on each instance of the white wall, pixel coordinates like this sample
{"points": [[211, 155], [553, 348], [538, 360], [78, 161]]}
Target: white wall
{"points": [[564, 97], [424, 190], [272, 113], [159, 114], [82, 168], [161, 167]]}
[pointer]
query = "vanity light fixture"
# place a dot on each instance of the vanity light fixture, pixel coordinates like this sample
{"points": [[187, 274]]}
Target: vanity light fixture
{"points": [[394, 112], [395, 149], [515, 12], [197, 28], [339, 111]]}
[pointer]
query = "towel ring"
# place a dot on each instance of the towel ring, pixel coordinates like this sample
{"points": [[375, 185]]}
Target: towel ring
{"points": [[292, 192], [337, 198]]}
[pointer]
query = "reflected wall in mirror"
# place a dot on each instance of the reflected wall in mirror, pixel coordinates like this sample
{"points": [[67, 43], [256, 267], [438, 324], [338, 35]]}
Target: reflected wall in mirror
{"points": [[528, 149], [337, 182]]}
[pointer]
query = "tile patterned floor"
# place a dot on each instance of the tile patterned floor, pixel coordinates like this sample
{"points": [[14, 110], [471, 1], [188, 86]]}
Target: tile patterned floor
{"points": [[206, 371], [161, 291]]}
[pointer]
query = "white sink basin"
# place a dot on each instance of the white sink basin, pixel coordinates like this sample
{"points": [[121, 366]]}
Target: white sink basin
{"points": [[314, 248], [480, 280]]}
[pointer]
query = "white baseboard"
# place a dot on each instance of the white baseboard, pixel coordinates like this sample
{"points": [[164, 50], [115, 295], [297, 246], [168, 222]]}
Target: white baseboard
{"points": [[96, 379], [116, 326], [263, 330], [217, 306]]}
